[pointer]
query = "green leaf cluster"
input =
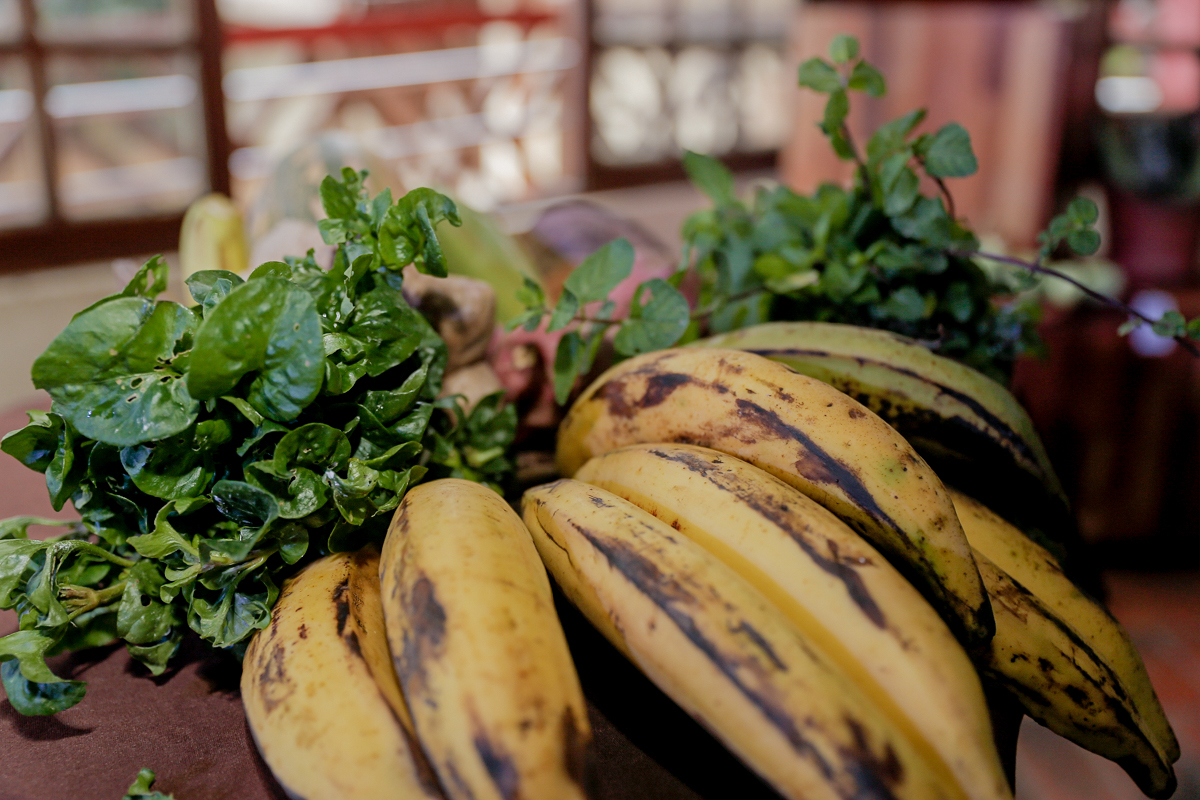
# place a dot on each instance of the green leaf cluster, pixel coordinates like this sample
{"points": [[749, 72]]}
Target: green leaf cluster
{"points": [[212, 449], [884, 252], [141, 788], [658, 315]]}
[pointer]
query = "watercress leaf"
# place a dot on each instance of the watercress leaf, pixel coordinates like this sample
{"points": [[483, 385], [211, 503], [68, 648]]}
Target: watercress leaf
{"points": [[107, 371], [398, 455], [272, 269], [949, 154], [388, 406], [245, 504], [210, 286], [314, 445], [389, 329], [269, 327], [170, 468], [48, 445], [163, 540], [142, 618], [32, 688], [298, 492], [710, 176], [149, 281], [293, 542], [865, 78], [818, 75], [843, 48], [663, 320], [339, 199], [601, 271], [231, 618]]}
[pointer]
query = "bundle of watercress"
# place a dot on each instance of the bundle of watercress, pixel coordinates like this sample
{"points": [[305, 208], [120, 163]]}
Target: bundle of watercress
{"points": [[211, 450]]}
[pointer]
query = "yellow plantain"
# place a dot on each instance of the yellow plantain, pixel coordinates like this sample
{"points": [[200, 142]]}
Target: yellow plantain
{"points": [[321, 698], [1061, 682], [1036, 569], [724, 653], [831, 584], [478, 647], [961, 421], [804, 432]]}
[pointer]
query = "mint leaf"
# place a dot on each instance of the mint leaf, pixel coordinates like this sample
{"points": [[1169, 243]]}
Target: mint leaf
{"points": [[656, 325], [865, 78], [843, 48], [709, 176], [600, 272], [949, 154], [818, 75]]}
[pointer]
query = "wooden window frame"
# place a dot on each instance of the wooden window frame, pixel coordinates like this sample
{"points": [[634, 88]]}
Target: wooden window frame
{"points": [[57, 240]]}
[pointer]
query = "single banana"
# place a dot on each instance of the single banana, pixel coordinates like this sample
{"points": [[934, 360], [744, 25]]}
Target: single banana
{"points": [[1061, 682], [1036, 569], [212, 237], [321, 697], [806, 433], [831, 584], [478, 647], [961, 421], [725, 654]]}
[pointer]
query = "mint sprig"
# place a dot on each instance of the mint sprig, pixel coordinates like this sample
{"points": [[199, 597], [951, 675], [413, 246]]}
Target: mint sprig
{"points": [[213, 449], [879, 253]]}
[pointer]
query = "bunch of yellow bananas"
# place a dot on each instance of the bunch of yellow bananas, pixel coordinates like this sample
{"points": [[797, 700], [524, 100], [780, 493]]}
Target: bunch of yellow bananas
{"points": [[771, 552]]}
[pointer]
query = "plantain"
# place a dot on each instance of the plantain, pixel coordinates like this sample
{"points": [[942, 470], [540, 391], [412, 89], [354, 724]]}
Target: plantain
{"points": [[321, 698], [961, 421], [831, 584], [804, 432], [478, 648], [1062, 682], [724, 653], [1037, 570]]}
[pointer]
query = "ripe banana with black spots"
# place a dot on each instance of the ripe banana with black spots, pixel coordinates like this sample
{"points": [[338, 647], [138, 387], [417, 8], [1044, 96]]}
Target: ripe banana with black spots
{"points": [[804, 432], [479, 650], [1036, 569], [961, 421], [1062, 682], [320, 695], [831, 584], [724, 653]]}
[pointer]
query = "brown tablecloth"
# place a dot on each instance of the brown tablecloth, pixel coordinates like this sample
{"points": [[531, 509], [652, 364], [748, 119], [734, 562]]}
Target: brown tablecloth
{"points": [[188, 726]]}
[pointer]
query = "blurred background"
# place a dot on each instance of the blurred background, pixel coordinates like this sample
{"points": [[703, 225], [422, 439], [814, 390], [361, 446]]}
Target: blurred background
{"points": [[116, 114]]}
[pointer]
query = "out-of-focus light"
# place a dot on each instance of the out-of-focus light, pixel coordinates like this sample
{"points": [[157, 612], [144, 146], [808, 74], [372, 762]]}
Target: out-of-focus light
{"points": [[1124, 94], [400, 69], [119, 97], [15, 105], [1144, 341]]}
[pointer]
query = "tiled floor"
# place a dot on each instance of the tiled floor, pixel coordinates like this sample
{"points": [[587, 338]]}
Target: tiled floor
{"points": [[1162, 614]]}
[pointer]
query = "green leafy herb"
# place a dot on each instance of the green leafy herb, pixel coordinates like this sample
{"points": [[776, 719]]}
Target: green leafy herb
{"points": [[140, 789], [212, 450], [879, 253]]}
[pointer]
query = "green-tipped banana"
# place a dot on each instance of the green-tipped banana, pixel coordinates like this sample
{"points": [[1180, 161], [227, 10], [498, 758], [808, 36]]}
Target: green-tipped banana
{"points": [[961, 421], [1062, 682], [1035, 569]]}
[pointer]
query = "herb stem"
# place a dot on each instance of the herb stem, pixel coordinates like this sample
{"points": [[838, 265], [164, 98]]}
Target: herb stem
{"points": [[82, 599], [1099, 297]]}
